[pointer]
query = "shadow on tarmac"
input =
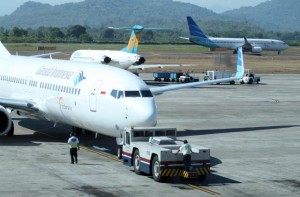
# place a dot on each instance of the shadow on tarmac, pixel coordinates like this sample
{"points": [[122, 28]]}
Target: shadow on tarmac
{"points": [[189, 132], [43, 131]]}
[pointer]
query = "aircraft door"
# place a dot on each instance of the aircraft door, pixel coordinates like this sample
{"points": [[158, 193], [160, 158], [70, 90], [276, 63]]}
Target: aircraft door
{"points": [[94, 94]]}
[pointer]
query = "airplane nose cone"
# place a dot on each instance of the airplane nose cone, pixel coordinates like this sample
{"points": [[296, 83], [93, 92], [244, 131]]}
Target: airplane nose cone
{"points": [[142, 113]]}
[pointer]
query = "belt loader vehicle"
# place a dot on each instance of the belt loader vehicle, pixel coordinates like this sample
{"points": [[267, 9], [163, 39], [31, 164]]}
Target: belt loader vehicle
{"points": [[151, 150]]}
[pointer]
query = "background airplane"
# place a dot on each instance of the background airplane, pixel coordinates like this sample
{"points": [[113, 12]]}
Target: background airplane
{"points": [[123, 59], [103, 99], [249, 45]]}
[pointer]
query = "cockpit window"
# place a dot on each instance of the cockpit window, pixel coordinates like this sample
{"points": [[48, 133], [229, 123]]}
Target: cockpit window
{"points": [[120, 94], [117, 94], [114, 93], [146, 93], [132, 94]]}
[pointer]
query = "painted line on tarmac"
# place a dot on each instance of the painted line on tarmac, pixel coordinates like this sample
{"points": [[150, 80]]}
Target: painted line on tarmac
{"points": [[101, 153], [203, 189]]}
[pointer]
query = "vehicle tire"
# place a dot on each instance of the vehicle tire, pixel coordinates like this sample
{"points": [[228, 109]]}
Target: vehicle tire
{"points": [[242, 82], [156, 169], [232, 82], [250, 81], [12, 130], [186, 80], [137, 162], [257, 82], [119, 152]]}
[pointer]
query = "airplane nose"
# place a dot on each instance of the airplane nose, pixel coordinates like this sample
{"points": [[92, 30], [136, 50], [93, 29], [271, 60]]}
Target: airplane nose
{"points": [[142, 113]]}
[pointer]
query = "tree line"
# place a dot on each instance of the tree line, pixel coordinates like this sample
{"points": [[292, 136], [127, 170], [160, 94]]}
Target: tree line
{"points": [[82, 34]]}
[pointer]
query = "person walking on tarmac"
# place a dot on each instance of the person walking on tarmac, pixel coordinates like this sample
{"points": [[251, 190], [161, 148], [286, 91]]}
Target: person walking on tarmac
{"points": [[186, 150], [74, 146]]}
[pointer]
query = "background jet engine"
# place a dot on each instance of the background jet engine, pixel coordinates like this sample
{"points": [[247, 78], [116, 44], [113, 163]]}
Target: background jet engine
{"points": [[106, 60], [141, 61], [5, 121], [256, 49]]}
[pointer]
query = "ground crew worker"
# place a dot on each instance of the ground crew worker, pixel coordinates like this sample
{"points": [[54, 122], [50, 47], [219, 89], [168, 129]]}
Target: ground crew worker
{"points": [[74, 146], [186, 150]]}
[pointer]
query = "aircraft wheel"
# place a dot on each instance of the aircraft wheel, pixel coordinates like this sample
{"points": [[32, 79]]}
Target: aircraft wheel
{"points": [[250, 81], [12, 130], [137, 162]]}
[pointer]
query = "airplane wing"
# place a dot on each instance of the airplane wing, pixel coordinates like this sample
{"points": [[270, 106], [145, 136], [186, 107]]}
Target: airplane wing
{"points": [[185, 38], [20, 104], [46, 54], [239, 74]]}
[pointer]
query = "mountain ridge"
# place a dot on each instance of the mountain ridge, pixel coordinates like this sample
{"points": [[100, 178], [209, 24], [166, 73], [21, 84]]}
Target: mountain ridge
{"points": [[274, 15]]}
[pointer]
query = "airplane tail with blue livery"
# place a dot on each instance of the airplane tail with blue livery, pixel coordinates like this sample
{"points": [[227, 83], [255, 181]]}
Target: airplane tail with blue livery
{"points": [[197, 36], [195, 30], [135, 36]]}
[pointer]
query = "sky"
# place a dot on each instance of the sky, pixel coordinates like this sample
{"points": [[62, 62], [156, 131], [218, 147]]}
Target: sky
{"points": [[216, 5]]}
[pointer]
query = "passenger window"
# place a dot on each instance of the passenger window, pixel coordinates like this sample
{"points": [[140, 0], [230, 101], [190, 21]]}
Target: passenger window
{"points": [[146, 93], [132, 94]]}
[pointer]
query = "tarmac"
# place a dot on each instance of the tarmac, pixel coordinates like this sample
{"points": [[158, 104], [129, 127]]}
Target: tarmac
{"points": [[253, 132]]}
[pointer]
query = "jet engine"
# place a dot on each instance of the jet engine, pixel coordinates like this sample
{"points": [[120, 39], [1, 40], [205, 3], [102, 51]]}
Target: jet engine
{"points": [[256, 49], [141, 61], [106, 60], [5, 121]]}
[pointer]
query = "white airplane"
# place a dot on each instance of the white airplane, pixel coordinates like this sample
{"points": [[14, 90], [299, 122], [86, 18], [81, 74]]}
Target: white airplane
{"points": [[124, 58], [249, 45], [103, 99]]}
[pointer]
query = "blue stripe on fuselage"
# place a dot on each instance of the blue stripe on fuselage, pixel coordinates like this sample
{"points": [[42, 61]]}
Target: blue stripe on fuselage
{"points": [[204, 42]]}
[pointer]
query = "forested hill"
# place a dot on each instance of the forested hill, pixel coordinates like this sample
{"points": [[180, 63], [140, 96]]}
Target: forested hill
{"points": [[98, 13], [275, 15]]}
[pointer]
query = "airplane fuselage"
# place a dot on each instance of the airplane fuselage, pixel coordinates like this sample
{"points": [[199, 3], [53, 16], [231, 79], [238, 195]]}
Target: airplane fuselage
{"points": [[117, 58], [234, 43], [103, 99]]}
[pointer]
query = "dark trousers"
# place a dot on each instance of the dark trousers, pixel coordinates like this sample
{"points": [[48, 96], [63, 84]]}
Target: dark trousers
{"points": [[73, 154], [187, 162]]}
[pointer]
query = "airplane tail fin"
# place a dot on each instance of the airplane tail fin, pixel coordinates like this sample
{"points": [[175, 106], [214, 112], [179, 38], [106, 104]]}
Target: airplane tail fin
{"points": [[195, 30], [240, 64], [3, 50], [134, 40], [135, 36]]}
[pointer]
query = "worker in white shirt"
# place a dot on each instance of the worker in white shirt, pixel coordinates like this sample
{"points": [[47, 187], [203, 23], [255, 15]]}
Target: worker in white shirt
{"points": [[186, 150], [74, 146]]}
